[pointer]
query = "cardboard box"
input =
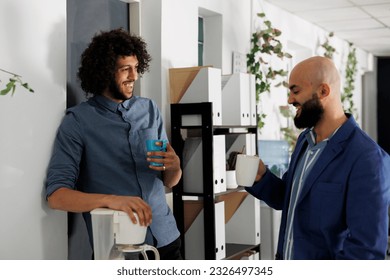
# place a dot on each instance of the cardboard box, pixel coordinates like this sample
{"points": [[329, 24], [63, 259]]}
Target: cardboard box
{"points": [[194, 85]]}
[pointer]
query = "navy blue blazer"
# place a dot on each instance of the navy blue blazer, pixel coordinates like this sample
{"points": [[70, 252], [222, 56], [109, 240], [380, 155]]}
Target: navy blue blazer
{"points": [[342, 211]]}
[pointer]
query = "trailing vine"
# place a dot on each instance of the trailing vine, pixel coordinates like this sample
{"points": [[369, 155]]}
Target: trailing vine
{"points": [[329, 49], [13, 82], [349, 87], [350, 73], [265, 42]]}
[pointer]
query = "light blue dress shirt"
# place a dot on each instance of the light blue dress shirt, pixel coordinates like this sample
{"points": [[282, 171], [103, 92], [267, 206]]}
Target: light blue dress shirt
{"points": [[100, 148], [305, 164]]}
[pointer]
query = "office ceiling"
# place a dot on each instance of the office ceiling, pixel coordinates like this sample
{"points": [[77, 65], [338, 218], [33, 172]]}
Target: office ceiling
{"points": [[365, 23]]}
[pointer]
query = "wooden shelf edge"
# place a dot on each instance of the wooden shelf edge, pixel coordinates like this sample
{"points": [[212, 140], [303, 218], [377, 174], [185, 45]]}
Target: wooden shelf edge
{"points": [[236, 250]]}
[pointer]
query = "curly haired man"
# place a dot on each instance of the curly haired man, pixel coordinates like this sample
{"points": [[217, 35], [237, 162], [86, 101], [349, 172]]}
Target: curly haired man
{"points": [[99, 158]]}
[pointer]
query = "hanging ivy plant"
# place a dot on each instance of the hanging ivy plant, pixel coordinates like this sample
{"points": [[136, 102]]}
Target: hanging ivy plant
{"points": [[350, 73], [13, 82], [349, 87], [265, 42], [329, 49]]}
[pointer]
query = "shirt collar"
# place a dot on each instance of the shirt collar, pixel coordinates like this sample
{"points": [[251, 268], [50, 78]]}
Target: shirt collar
{"points": [[112, 105], [106, 102], [311, 137], [127, 103]]}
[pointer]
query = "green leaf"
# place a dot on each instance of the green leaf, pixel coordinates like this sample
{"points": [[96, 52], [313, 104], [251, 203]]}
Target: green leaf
{"points": [[267, 23], [4, 91]]}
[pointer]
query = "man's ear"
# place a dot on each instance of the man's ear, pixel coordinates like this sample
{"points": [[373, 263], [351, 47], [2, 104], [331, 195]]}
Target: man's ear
{"points": [[325, 90]]}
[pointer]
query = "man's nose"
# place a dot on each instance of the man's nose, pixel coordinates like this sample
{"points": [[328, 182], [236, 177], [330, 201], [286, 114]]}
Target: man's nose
{"points": [[290, 99], [132, 74]]}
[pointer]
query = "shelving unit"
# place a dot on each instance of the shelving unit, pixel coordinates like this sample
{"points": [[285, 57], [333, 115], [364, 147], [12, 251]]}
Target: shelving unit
{"points": [[207, 197]]}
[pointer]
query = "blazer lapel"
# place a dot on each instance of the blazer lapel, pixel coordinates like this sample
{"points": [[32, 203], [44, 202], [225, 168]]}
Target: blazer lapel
{"points": [[332, 149]]}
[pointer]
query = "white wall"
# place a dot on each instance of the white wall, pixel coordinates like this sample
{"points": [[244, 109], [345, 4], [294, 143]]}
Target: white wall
{"points": [[33, 40]]}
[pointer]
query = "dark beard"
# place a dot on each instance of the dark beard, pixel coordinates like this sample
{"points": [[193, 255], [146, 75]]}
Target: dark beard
{"points": [[115, 92], [311, 112]]}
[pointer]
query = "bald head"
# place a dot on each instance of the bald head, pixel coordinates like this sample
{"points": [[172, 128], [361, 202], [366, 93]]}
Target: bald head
{"points": [[318, 70], [315, 92]]}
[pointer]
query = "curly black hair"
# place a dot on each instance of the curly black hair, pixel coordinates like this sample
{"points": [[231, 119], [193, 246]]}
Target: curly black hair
{"points": [[98, 61]]}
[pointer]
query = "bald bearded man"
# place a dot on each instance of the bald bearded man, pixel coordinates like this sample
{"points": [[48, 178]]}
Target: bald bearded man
{"points": [[335, 195]]}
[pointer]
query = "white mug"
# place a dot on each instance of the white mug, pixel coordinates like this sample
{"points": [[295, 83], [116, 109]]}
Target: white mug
{"points": [[231, 182], [246, 169]]}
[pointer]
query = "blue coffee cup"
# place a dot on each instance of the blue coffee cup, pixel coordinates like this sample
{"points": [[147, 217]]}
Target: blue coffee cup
{"points": [[151, 146]]}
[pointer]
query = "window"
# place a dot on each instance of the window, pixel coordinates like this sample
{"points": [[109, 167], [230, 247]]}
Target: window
{"points": [[209, 38], [200, 41]]}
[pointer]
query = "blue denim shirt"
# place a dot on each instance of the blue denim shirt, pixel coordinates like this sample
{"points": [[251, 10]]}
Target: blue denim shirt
{"points": [[100, 148]]}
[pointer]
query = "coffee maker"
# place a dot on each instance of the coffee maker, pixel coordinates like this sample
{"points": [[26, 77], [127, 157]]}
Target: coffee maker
{"points": [[116, 237]]}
